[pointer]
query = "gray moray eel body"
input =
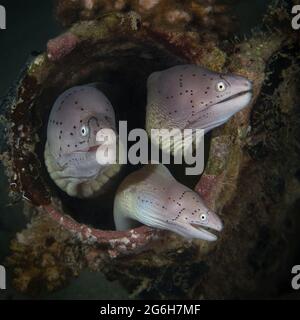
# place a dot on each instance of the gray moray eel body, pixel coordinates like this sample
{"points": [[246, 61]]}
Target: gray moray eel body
{"points": [[155, 198], [192, 97], [70, 151]]}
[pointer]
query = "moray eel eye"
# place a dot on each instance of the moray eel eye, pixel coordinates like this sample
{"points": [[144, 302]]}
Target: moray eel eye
{"points": [[84, 131], [221, 86], [203, 217]]}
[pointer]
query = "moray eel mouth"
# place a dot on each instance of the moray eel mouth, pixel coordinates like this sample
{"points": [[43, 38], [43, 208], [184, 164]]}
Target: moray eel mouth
{"points": [[205, 231], [246, 94], [93, 148], [197, 231], [82, 183], [208, 231]]}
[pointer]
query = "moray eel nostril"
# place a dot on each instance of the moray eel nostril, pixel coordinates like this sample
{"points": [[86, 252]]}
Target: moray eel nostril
{"points": [[192, 97], [70, 151], [153, 197]]}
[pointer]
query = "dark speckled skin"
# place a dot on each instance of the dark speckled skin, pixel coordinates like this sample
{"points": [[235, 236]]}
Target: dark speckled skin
{"points": [[189, 96]]}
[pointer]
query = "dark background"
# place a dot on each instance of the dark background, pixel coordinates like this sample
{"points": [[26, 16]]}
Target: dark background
{"points": [[30, 24]]}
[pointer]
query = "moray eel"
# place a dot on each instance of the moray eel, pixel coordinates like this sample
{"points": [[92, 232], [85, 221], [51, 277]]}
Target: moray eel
{"points": [[191, 97], [153, 197], [70, 151]]}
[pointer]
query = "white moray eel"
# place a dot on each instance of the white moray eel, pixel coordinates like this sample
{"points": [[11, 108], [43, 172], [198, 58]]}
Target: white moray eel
{"points": [[153, 197], [192, 97], [70, 151]]}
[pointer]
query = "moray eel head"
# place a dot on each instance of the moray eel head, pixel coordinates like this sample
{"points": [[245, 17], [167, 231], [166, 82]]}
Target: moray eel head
{"points": [[70, 152], [189, 96], [153, 197], [195, 219]]}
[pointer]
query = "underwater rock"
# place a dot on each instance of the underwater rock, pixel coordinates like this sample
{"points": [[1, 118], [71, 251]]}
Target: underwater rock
{"points": [[248, 180], [206, 16], [45, 257]]}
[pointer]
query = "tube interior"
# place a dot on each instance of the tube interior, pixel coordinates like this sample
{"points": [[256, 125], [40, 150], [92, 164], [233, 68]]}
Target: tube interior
{"points": [[122, 77]]}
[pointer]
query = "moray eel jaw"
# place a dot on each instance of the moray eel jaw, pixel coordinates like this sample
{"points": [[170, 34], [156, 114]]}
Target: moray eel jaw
{"points": [[199, 229], [89, 182], [238, 96], [246, 95], [232, 105], [80, 164], [194, 229]]}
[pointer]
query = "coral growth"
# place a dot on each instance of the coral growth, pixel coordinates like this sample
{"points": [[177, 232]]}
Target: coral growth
{"points": [[44, 257], [205, 16]]}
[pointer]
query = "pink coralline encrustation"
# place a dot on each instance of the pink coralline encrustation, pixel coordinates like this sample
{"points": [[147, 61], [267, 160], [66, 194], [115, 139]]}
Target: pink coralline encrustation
{"points": [[147, 4], [176, 16], [61, 46], [206, 187], [119, 243]]}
